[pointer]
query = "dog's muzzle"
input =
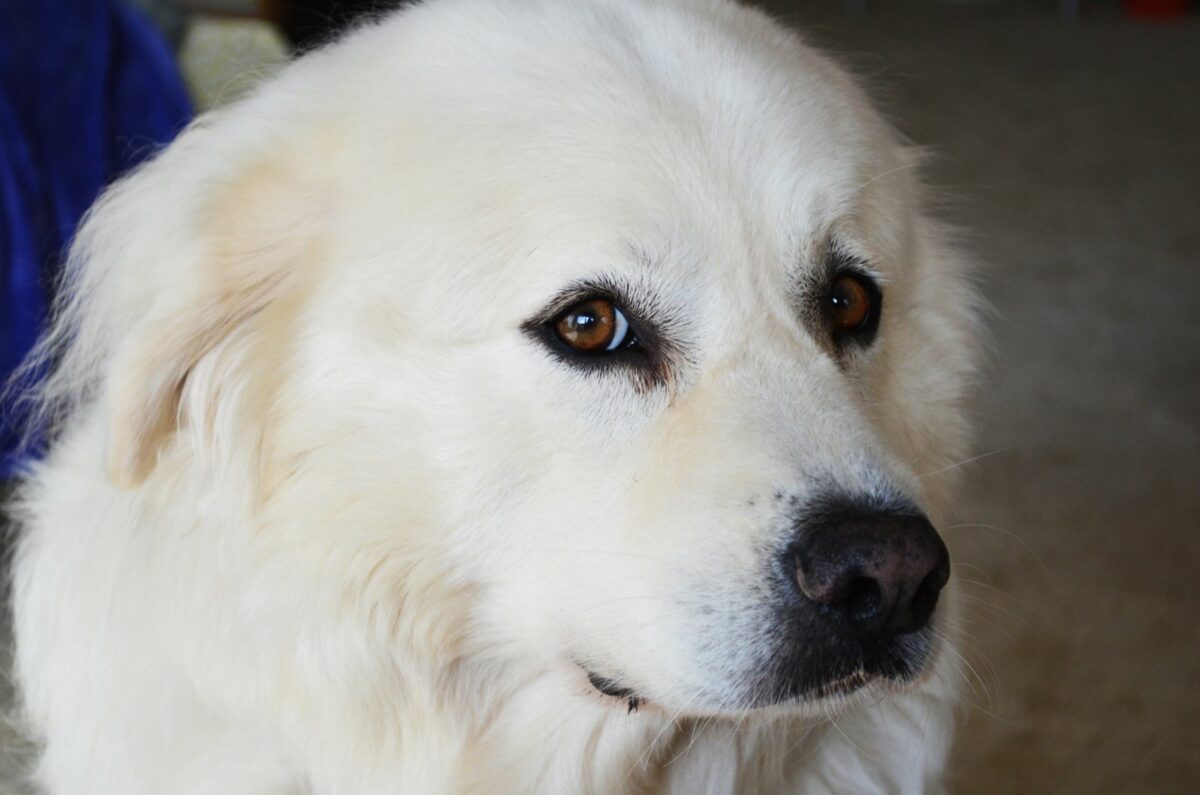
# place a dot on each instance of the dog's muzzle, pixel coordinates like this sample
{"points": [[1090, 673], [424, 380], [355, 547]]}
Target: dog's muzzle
{"points": [[854, 592], [858, 585]]}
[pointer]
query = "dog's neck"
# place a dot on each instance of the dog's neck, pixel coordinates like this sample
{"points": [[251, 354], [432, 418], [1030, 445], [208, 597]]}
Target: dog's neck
{"points": [[546, 733]]}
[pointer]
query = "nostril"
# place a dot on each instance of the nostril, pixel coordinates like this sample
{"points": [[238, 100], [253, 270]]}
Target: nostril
{"points": [[863, 600], [925, 597], [940, 575], [936, 579]]}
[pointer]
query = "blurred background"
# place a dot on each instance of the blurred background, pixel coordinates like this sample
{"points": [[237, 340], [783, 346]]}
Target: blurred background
{"points": [[1065, 142]]}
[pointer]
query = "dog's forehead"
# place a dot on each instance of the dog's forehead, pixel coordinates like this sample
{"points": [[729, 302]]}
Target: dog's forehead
{"points": [[691, 105], [638, 133]]}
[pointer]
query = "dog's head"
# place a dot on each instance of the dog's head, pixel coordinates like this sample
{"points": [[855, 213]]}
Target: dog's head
{"points": [[619, 321]]}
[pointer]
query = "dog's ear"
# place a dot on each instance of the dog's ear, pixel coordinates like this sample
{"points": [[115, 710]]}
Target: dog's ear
{"points": [[201, 348]]}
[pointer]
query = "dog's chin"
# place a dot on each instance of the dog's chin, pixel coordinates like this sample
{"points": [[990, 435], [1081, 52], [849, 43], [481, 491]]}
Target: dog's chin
{"points": [[881, 669], [899, 665]]}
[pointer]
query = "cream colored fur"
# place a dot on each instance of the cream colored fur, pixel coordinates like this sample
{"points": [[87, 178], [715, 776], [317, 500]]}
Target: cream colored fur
{"points": [[320, 518]]}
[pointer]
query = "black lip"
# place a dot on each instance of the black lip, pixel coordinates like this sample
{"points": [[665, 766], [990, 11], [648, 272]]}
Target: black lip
{"points": [[849, 667], [610, 688]]}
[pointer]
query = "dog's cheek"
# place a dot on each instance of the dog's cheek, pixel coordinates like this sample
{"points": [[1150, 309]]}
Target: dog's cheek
{"points": [[921, 379]]}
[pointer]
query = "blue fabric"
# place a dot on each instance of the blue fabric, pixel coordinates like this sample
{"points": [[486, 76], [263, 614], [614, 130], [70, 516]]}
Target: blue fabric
{"points": [[87, 89]]}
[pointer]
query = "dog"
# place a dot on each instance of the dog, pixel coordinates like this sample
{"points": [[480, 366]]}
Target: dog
{"points": [[511, 396]]}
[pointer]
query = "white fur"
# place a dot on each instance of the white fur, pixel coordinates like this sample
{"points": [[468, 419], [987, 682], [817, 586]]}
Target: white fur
{"points": [[321, 518]]}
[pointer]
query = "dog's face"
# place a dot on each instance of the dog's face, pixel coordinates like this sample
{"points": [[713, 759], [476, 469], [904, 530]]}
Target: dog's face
{"points": [[649, 325], [658, 365]]}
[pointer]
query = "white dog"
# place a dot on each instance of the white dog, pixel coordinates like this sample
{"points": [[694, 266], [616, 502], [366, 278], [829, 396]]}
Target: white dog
{"points": [[514, 396]]}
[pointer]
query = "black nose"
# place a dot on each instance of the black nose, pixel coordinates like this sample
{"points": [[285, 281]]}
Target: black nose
{"points": [[878, 572]]}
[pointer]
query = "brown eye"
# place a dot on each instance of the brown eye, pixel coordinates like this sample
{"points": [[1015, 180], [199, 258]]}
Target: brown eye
{"points": [[594, 325], [851, 304]]}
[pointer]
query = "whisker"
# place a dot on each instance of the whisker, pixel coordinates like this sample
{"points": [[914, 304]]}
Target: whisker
{"points": [[1032, 552], [960, 565], [644, 757], [949, 649], [972, 645], [889, 172], [971, 460], [977, 620], [990, 604]]}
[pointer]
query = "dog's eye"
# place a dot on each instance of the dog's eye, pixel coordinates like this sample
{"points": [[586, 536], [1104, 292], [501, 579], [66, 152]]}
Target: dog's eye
{"points": [[594, 325], [853, 305], [850, 302]]}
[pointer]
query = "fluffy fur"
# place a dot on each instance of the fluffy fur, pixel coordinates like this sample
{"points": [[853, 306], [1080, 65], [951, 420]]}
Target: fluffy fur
{"points": [[321, 516]]}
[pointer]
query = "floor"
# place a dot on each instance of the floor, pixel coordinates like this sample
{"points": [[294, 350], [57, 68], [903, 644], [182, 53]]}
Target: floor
{"points": [[1070, 155]]}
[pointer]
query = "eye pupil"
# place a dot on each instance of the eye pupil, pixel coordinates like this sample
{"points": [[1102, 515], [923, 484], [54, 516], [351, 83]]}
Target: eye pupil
{"points": [[850, 303]]}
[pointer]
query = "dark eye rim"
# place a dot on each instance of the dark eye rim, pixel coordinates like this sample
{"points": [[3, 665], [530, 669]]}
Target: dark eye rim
{"points": [[637, 352], [865, 332]]}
